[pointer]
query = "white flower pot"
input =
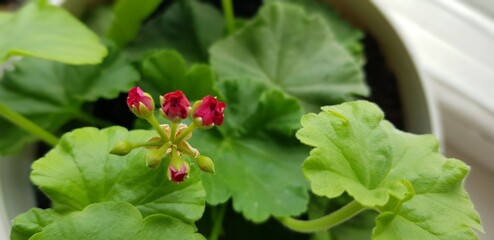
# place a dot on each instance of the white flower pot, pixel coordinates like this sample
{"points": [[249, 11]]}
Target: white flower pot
{"points": [[16, 191]]}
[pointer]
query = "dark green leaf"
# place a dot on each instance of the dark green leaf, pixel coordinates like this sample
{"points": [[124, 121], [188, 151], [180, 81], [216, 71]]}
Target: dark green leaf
{"points": [[24, 226], [50, 93], [45, 31], [346, 34], [80, 171], [284, 47], [188, 26], [166, 71], [117, 221], [127, 18], [400, 174], [260, 172]]}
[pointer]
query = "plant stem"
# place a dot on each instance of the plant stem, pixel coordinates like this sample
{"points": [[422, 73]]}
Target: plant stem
{"points": [[27, 125], [217, 221], [173, 130], [156, 125], [186, 132], [229, 15], [147, 144], [325, 222]]}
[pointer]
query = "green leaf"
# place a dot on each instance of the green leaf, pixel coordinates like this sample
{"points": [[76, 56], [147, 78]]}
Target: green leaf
{"points": [[166, 71], [252, 106], [346, 34], [4, 17], [284, 47], [50, 93], [80, 171], [276, 112], [117, 220], [259, 171], [24, 226], [127, 18], [400, 174], [45, 31], [188, 26]]}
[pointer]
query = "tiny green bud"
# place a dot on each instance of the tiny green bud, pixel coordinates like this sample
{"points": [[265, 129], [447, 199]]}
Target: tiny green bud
{"points": [[154, 158], [205, 164], [121, 149]]}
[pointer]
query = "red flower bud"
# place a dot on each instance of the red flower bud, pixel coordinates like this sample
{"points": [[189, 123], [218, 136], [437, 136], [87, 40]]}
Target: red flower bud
{"points": [[210, 111], [140, 103], [176, 175], [175, 106]]}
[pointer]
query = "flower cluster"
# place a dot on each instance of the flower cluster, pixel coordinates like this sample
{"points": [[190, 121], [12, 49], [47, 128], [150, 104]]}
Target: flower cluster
{"points": [[171, 141]]}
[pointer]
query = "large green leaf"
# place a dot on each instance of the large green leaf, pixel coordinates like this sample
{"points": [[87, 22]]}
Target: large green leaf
{"points": [[166, 71], [259, 171], [188, 26], [286, 48], [80, 171], [127, 18], [24, 226], [346, 34], [400, 174], [116, 221], [45, 31], [50, 93]]}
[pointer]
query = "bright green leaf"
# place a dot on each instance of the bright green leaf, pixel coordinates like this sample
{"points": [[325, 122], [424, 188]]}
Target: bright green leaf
{"points": [[166, 71], [400, 174], [24, 226], [284, 47], [4, 17], [117, 221], [80, 171], [50, 93], [127, 18], [45, 31], [259, 171], [346, 34], [188, 26]]}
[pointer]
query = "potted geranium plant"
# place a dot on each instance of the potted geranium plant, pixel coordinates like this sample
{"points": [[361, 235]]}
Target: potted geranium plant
{"points": [[258, 115]]}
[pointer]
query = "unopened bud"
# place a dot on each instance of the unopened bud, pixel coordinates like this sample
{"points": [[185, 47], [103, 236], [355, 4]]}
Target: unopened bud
{"points": [[122, 148], [140, 103], [178, 169], [210, 111], [205, 164], [174, 106], [178, 174]]}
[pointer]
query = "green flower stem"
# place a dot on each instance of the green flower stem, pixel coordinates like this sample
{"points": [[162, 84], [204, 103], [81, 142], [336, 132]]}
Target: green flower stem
{"points": [[229, 15], [325, 222], [218, 216], [147, 144], [186, 132], [156, 125], [27, 125], [173, 130]]}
